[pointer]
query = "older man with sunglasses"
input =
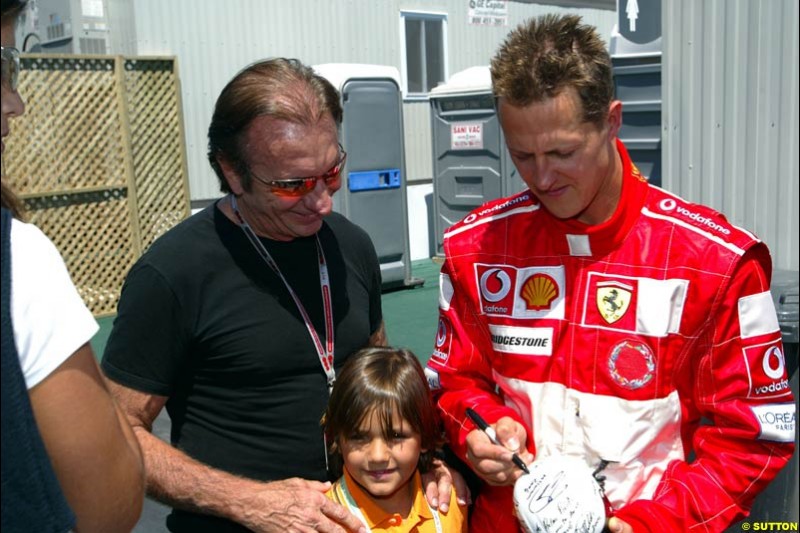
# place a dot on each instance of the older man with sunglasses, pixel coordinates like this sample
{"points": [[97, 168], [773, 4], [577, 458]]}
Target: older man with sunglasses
{"points": [[237, 319]]}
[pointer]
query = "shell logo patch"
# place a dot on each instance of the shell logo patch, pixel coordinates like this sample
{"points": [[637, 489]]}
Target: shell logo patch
{"points": [[539, 291], [613, 300], [631, 364]]}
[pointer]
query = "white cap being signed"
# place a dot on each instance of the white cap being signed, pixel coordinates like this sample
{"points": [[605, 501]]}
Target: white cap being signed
{"points": [[560, 495]]}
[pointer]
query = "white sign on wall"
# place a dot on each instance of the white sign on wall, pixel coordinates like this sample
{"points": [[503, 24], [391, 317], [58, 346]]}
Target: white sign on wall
{"points": [[488, 12], [466, 136], [92, 8]]}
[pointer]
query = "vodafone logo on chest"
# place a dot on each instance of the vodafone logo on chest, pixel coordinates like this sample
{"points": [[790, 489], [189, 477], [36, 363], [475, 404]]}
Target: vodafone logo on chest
{"points": [[495, 284], [495, 288]]}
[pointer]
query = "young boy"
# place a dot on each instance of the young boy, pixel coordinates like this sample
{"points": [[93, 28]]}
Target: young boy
{"points": [[381, 426]]}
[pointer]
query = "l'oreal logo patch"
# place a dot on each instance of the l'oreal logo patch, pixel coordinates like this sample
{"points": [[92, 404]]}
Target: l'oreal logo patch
{"points": [[776, 421]]}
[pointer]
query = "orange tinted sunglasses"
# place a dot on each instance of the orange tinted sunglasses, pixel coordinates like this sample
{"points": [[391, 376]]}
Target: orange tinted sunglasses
{"points": [[296, 187]]}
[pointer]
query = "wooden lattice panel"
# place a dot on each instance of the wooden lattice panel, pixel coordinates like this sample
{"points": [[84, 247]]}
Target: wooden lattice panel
{"points": [[93, 234], [98, 159], [153, 100], [70, 136]]}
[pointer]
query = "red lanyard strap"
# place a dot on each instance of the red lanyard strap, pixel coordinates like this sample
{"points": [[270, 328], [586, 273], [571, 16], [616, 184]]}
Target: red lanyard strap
{"points": [[325, 352]]}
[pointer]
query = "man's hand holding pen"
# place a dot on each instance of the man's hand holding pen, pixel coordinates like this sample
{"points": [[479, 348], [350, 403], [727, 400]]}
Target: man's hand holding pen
{"points": [[494, 462]]}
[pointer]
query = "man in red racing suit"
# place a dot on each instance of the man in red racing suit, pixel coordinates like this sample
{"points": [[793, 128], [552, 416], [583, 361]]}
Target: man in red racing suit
{"points": [[612, 341]]}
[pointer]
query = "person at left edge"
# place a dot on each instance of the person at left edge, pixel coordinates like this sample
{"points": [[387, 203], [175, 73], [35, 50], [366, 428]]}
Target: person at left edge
{"points": [[70, 461], [232, 319]]}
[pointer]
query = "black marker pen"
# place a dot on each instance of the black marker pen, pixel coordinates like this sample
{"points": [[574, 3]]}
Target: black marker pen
{"points": [[489, 430]]}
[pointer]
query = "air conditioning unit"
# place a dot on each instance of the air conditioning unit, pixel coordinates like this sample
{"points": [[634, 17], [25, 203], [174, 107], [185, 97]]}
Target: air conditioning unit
{"points": [[68, 27]]}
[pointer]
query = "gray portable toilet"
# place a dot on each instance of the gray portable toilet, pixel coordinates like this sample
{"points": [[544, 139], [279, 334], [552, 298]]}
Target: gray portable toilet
{"points": [[373, 194], [635, 49], [471, 164]]}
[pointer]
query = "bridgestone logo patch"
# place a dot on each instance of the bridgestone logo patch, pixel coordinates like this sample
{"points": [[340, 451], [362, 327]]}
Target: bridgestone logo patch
{"points": [[523, 341]]}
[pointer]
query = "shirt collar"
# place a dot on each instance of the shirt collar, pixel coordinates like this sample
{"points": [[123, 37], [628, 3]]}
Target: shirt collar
{"points": [[377, 518]]}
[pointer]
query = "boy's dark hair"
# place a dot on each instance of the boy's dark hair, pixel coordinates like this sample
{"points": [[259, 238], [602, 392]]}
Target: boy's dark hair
{"points": [[389, 381]]}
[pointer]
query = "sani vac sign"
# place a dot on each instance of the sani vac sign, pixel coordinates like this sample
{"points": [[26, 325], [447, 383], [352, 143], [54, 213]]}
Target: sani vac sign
{"points": [[466, 136]]}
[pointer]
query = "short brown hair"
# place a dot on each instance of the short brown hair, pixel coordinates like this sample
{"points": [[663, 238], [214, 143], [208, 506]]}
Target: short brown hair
{"points": [[10, 9], [285, 89], [387, 381], [547, 54]]}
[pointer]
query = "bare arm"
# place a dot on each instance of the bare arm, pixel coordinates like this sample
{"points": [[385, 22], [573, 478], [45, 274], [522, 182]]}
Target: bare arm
{"points": [[379, 337], [182, 482], [93, 451]]}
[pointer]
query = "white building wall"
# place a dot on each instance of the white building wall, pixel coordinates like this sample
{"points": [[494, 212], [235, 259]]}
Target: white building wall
{"points": [[730, 113], [214, 39]]}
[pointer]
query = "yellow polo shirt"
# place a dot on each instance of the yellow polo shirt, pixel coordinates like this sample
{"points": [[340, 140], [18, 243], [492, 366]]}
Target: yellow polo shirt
{"points": [[419, 520]]}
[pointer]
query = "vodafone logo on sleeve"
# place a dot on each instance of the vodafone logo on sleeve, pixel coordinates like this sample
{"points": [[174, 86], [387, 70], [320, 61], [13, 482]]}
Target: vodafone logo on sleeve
{"points": [[667, 205], [766, 367], [444, 335]]}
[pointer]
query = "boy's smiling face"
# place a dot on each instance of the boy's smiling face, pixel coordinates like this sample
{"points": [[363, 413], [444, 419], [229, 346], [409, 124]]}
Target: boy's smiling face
{"points": [[384, 467]]}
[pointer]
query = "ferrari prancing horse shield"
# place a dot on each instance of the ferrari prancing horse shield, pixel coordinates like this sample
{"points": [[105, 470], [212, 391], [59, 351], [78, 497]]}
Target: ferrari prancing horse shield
{"points": [[613, 300]]}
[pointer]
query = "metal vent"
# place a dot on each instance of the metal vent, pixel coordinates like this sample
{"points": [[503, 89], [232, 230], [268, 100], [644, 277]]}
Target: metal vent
{"points": [[90, 45], [55, 31]]}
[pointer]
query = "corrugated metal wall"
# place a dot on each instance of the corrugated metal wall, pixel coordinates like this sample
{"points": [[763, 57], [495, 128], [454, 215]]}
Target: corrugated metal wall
{"points": [[213, 40], [730, 113]]}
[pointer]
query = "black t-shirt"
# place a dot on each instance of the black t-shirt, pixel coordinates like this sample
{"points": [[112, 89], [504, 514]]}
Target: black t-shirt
{"points": [[203, 320]]}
